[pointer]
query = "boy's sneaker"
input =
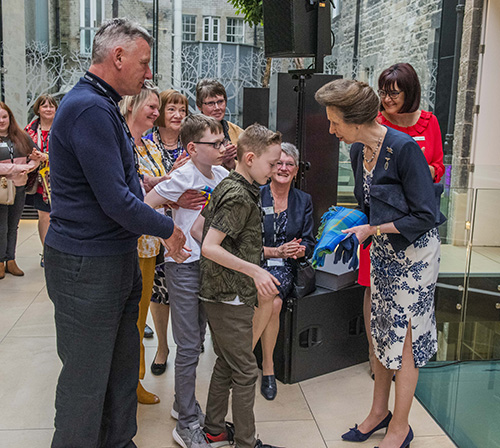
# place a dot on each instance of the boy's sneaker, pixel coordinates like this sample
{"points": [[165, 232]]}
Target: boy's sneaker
{"points": [[175, 412], [223, 439], [259, 444], [190, 437]]}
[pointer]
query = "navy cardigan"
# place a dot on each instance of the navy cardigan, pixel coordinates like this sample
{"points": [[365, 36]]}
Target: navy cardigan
{"points": [[300, 218], [402, 164]]}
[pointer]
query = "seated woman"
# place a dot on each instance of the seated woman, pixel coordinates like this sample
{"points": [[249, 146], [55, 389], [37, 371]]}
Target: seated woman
{"points": [[389, 166], [288, 236]]}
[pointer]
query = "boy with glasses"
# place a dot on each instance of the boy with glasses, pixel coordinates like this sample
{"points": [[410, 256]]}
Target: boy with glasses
{"points": [[203, 139]]}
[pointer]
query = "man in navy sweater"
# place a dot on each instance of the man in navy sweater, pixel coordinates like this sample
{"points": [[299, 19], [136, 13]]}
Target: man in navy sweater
{"points": [[91, 263]]}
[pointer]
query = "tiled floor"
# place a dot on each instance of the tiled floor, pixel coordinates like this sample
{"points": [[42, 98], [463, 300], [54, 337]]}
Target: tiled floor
{"points": [[311, 414]]}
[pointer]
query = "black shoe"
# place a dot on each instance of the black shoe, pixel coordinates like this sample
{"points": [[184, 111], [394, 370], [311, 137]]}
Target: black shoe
{"points": [[268, 387], [148, 332], [158, 369], [259, 444]]}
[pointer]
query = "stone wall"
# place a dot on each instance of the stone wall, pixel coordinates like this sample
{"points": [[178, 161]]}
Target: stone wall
{"points": [[390, 31]]}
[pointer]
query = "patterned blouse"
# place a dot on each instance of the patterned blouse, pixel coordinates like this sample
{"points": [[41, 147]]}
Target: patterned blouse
{"points": [[150, 164]]}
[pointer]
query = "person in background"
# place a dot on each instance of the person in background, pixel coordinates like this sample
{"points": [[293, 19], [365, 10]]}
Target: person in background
{"points": [[399, 92], [91, 262], [45, 108], [288, 236], [18, 157], [140, 112], [404, 254], [173, 108], [211, 100]]}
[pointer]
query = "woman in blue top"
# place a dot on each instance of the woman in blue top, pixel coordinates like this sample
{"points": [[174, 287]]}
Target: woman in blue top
{"points": [[394, 187], [288, 236]]}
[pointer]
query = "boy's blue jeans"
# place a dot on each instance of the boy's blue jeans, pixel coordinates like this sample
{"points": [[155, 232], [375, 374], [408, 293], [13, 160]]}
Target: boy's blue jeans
{"points": [[188, 327]]}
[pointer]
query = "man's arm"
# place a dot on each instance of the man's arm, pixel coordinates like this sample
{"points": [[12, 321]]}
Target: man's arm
{"points": [[212, 249]]}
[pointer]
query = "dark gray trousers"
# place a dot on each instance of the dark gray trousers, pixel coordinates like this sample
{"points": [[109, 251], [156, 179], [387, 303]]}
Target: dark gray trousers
{"points": [[96, 309], [9, 223]]}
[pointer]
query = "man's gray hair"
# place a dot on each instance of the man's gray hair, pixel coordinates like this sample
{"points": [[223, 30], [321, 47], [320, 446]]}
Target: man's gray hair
{"points": [[116, 32], [290, 150]]}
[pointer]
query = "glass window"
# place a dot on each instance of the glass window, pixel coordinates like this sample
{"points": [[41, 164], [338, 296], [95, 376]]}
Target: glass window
{"points": [[91, 17], [188, 28], [235, 30], [211, 29]]}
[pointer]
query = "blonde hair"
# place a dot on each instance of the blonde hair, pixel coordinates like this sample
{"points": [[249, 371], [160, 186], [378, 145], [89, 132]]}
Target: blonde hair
{"points": [[130, 104], [256, 138]]}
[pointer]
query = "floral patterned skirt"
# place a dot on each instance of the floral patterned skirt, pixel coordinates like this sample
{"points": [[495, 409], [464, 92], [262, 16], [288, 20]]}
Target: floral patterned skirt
{"points": [[402, 286]]}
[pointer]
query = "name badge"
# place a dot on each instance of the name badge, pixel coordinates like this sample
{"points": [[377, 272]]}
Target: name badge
{"points": [[419, 138], [268, 210], [275, 262]]}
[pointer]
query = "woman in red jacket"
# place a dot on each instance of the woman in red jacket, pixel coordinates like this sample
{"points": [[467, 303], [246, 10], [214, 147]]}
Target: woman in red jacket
{"points": [[399, 92]]}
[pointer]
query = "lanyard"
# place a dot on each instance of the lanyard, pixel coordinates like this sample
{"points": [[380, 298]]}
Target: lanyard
{"points": [[88, 76]]}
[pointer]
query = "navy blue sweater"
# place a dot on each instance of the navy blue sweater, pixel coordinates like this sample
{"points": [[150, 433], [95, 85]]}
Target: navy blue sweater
{"points": [[97, 202]]}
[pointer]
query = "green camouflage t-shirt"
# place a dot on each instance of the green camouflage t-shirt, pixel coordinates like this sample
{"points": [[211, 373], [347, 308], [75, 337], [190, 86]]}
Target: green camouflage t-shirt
{"points": [[234, 210]]}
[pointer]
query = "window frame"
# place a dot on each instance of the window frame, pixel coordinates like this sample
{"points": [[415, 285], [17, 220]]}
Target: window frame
{"points": [[213, 23], [90, 6], [191, 24], [237, 22]]}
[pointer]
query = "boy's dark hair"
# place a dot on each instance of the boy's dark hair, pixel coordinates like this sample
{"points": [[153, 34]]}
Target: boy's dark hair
{"points": [[194, 126], [207, 88], [256, 138]]}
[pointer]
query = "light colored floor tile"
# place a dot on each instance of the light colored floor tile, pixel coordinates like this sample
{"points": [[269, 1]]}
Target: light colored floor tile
{"points": [[291, 434], [31, 438], [493, 253], [29, 368], [12, 306], [418, 442]]}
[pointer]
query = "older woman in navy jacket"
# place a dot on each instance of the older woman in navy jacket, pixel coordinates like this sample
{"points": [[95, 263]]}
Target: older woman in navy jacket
{"points": [[288, 236], [394, 188]]}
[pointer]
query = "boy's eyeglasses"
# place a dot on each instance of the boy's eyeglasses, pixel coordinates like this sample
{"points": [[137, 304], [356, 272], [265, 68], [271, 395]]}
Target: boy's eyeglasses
{"points": [[215, 145], [211, 104], [393, 94]]}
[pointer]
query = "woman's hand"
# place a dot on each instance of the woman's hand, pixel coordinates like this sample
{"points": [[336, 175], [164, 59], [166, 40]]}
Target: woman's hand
{"points": [[180, 161], [361, 232], [38, 156], [150, 182], [191, 199], [229, 156], [433, 172], [292, 249]]}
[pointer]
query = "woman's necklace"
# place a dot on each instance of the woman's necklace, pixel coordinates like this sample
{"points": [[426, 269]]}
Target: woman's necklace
{"points": [[374, 152]]}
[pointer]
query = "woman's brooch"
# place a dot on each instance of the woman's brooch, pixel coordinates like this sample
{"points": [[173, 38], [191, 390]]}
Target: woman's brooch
{"points": [[388, 158]]}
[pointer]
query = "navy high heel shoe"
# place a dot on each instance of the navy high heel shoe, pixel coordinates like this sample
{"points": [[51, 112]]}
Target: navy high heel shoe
{"points": [[355, 435], [408, 439]]}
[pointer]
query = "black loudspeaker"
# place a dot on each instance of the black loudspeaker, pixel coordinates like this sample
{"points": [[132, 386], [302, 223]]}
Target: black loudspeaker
{"points": [[319, 333], [255, 106], [291, 28]]}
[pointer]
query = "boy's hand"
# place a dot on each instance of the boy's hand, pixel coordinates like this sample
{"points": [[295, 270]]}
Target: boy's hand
{"points": [[175, 246], [265, 282]]}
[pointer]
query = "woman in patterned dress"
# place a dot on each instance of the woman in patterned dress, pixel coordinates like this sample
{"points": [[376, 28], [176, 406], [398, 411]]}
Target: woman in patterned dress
{"points": [[394, 187], [140, 112], [288, 236]]}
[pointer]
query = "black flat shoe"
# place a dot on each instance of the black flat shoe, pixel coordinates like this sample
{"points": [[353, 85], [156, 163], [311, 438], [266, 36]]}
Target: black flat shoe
{"points": [[268, 388], [158, 369], [148, 332]]}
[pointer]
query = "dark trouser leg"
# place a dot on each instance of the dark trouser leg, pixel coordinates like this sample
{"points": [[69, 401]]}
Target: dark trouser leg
{"points": [[96, 308], [236, 368], [9, 223]]}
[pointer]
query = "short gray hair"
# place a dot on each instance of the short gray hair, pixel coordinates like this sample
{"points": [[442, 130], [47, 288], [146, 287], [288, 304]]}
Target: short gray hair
{"points": [[291, 150], [116, 32]]}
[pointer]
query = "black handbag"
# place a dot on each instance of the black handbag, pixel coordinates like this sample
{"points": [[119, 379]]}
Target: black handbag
{"points": [[305, 279]]}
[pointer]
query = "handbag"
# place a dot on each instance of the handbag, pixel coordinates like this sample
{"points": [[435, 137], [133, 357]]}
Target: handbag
{"points": [[33, 182], [305, 279], [7, 191]]}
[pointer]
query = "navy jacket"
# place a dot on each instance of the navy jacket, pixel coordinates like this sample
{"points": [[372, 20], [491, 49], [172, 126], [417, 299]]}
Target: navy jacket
{"points": [[300, 218], [97, 201], [401, 165]]}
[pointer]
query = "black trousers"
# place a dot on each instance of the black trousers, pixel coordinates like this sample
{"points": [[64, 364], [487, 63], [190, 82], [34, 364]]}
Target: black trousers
{"points": [[96, 309]]}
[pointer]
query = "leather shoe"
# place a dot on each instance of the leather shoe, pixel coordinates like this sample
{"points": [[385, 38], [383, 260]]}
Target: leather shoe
{"points": [[145, 397], [268, 387], [13, 268], [2, 270], [407, 440], [158, 369], [355, 435], [148, 332]]}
